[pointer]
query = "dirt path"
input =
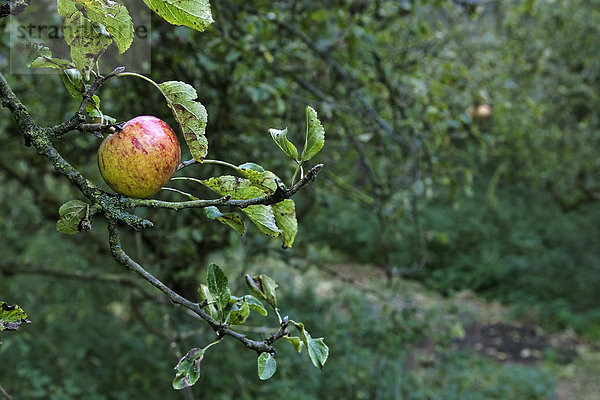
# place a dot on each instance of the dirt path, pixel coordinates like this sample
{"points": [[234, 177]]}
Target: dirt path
{"points": [[491, 332]]}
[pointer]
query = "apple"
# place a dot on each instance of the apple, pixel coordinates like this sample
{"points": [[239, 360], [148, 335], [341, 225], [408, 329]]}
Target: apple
{"points": [[479, 113], [483, 111], [139, 159]]}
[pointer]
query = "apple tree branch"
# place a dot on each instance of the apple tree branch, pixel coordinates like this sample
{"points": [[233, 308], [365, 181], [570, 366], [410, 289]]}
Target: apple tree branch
{"points": [[13, 7], [114, 206]]}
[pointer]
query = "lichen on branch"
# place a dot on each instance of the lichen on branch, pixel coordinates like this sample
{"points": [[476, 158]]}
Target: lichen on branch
{"points": [[13, 7]]}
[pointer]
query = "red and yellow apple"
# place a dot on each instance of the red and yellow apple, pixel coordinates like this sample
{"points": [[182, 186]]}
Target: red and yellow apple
{"points": [[138, 160]]}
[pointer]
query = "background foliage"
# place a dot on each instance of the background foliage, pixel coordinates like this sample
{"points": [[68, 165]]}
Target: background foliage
{"points": [[413, 188]]}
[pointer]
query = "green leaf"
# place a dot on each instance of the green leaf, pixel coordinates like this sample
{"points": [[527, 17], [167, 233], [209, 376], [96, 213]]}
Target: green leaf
{"points": [[113, 17], [252, 166], [231, 219], [256, 305], [40, 56], [315, 135], [188, 369], [190, 114], [88, 41], [218, 286], [194, 14], [280, 137], [285, 218], [295, 341], [262, 216], [50, 62], [71, 215], [317, 349], [74, 83], [240, 311], [266, 366], [11, 317], [253, 303], [267, 181], [211, 308], [68, 7], [238, 188], [242, 189], [318, 352], [34, 52], [284, 213], [263, 287]]}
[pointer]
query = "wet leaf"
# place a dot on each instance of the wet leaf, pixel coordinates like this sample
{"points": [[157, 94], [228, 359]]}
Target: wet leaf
{"points": [[188, 369], [71, 215], [231, 219], [194, 14], [190, 114], [280, 137], [315, 135], [218, 286], [266, 366], [11, 317]]}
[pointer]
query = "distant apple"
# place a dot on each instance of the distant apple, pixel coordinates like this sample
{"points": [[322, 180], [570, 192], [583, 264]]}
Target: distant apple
{"points": [[479, 113], [483, 112], [138, 160]]}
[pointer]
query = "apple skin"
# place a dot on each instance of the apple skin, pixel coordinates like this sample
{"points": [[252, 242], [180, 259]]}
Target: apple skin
{"points": [[138, 160]]}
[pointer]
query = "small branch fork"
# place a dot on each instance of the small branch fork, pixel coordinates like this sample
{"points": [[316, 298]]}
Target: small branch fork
{"points": [[279, 195], [113, 206], [76, 122], [220, 329]]}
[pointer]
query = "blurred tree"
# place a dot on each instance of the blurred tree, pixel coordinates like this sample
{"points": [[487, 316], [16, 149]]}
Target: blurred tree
{"points": [[412, 183]]}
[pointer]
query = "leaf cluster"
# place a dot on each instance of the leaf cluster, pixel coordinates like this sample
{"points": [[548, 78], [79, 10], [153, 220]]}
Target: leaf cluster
{"points": [[226, 309]]}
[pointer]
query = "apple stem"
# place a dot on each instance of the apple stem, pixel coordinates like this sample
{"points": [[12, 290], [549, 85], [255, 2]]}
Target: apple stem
{"points": [[186, 164], [213, 343], [224, 163], [188, 195], [217, 162]]}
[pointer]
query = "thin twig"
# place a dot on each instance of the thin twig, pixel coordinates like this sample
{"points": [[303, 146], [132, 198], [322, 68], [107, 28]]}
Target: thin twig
{"points": [[221, 330], [3, 392], [99, 130], [78, 117], [87, 97], [10, 268], [186, 164], [350, 81]]}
